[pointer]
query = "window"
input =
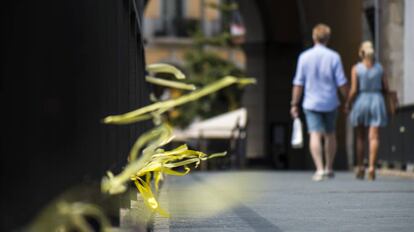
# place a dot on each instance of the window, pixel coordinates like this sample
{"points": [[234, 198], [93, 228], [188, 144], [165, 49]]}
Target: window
{"points": [[173, 22]]}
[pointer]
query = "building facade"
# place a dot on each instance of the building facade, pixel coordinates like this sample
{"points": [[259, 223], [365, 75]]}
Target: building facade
{"points": [[277, 31], [169, 25], [389, 23]]}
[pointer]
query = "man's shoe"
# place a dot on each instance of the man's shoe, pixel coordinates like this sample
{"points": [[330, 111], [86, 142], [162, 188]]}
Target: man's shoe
{"points": [[318, 176], [360, 174]]}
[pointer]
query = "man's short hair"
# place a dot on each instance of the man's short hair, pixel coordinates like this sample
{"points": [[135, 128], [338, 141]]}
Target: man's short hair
{"points": [[321, 33]]}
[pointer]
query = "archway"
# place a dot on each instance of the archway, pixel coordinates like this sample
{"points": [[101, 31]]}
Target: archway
{"points": [[278, 32]]}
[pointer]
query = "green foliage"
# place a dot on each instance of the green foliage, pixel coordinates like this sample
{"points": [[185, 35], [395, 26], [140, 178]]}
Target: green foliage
{"points": [[205, 66]]}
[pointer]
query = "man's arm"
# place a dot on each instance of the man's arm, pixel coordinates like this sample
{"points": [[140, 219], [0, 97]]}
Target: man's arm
{"points": [[296, 95], [344, 90], [298, 83], [340, 78], [341, 81]]}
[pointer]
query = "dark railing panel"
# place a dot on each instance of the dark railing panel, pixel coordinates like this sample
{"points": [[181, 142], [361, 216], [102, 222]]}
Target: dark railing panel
{"points": [[397, 139], [68, 64], [408, 137]]}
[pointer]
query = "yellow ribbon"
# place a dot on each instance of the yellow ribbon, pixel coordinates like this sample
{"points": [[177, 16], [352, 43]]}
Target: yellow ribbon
{"points": [[165, 68], [149, 199], [162, 106], [165, 162], [168, 83], [154, 161]]}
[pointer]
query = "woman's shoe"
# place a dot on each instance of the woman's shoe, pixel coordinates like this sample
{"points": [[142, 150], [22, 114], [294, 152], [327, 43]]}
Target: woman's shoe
{"points": [[371, 175], [360, 174]]}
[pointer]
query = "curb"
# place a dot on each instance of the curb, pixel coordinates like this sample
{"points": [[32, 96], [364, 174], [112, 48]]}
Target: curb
{"points": [[397, 173]]}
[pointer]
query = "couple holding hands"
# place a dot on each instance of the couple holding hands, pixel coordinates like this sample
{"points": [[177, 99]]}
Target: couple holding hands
{"points": [[319, 75]]}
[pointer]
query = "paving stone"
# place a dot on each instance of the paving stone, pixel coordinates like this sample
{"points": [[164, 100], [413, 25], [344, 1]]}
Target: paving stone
{"points": [[287, 201]]}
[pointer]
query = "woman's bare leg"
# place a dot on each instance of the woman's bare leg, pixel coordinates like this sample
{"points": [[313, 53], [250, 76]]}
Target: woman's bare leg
{"points": [[361, 133], [373, 147]]}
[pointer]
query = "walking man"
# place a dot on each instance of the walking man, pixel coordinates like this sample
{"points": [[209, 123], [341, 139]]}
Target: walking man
{"points": [[319, 74]]}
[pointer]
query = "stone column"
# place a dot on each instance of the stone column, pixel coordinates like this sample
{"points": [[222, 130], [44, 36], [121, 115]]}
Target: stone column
{"points": [[408, 52], [391, 49]]}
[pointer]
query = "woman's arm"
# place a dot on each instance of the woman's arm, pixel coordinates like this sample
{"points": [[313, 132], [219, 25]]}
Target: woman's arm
{"points": [[354, 89]]}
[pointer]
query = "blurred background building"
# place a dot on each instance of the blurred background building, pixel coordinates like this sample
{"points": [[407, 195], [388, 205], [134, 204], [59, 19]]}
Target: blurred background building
{"points": [[68, 64], [276, 33], [169, 25], [390, 25]]}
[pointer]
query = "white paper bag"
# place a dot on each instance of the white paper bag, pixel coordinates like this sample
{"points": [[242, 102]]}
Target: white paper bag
{"points": [[297, 135]]}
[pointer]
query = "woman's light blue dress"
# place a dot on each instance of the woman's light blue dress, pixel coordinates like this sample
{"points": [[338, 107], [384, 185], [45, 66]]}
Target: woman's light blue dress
{"points": [[369, 107]]}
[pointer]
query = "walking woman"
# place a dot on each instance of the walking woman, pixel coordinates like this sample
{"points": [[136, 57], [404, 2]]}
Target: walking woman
{"points": [[368, 107]]}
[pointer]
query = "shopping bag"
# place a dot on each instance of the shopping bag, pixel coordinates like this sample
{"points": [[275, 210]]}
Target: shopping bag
{"points": [[297, 134]]}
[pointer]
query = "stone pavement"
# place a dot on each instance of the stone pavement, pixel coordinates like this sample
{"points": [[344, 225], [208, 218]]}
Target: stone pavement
{"points": [[285, 201]]}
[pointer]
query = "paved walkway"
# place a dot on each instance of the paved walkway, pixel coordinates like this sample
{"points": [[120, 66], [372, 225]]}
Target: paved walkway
{"points": [[285, 201]]}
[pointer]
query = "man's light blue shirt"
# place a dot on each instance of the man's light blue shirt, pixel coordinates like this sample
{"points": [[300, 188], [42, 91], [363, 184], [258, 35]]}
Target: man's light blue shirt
{"points": [[320, 71]]}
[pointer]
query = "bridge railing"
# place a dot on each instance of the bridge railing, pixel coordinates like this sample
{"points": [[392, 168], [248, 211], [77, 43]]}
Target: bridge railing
{"points": [[397, 140]]}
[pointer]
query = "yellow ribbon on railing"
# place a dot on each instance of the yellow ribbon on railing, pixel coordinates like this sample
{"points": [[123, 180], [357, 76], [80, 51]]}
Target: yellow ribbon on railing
{"points": [[149, 199], [160, 136], [165, 162], [70, 216], [154, 161], [168, 83], [163, 106], [165, 68]]}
